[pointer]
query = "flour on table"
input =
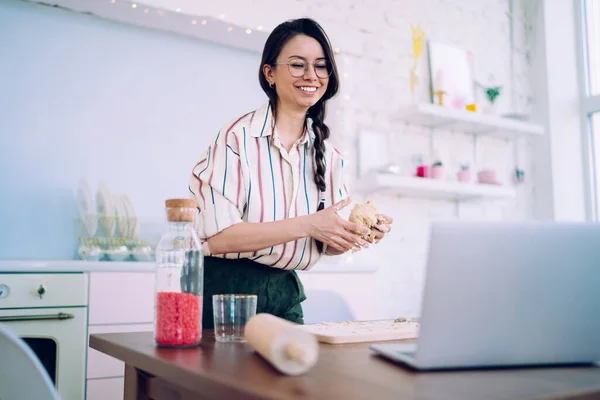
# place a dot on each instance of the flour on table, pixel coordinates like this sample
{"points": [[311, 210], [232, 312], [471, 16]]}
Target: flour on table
{"points": [[363, 327]]}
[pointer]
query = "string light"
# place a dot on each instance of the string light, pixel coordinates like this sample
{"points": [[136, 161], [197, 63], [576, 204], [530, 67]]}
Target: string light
{"points": [[112, 1], [221, 16], [337, 50]]}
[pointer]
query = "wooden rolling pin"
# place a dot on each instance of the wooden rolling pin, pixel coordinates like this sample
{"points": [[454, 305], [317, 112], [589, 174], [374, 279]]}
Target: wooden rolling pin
{"points": [[288, 348]]}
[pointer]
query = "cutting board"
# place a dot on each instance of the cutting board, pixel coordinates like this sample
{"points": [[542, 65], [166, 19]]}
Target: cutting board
{"points": [[363, 331]]}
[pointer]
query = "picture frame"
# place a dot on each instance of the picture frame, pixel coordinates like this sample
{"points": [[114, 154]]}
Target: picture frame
{"points": [[452, 75]]}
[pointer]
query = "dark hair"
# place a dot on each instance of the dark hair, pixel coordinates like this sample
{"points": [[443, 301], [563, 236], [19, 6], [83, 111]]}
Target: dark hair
{"points": [[275, 43]]}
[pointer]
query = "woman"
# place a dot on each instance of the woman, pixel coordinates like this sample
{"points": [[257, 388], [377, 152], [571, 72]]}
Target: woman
{"points": [[269, 187]]}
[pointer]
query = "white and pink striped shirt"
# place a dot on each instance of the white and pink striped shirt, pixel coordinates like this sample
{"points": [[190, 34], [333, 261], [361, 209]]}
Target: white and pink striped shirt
{"points": [[247, 175]]}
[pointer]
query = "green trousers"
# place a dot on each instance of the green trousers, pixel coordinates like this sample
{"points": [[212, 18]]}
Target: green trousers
{"points": [[279, 292]]}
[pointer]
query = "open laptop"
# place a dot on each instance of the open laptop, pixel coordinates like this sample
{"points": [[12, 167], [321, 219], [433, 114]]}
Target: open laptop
{"points": [[507, 294]]}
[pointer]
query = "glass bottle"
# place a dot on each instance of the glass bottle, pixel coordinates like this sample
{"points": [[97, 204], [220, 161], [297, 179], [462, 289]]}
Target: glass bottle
{"points": [[179, 278]]}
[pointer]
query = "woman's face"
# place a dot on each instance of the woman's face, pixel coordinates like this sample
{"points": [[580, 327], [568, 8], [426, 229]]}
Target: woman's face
{"points": [[299, 87]]}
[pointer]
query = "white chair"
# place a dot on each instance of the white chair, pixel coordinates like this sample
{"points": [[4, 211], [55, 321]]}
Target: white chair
{"points": [[22, 376], [325, 306]]}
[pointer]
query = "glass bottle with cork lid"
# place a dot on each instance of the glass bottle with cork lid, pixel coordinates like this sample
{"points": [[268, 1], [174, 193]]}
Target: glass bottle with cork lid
{"points": [[179, 278]]}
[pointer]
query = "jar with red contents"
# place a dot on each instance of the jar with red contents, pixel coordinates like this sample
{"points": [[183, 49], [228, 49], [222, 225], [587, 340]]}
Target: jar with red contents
{"points": [[179, 279]]}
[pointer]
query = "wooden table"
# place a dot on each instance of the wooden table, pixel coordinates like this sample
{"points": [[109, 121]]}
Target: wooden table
{"points": [[234, 371]]}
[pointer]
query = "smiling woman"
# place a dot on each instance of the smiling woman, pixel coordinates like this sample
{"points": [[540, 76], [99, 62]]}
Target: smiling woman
{"points": [[270, 185]]}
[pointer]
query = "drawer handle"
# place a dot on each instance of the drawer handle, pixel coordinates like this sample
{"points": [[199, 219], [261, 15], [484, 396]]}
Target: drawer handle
{"points": [[39, 317]]}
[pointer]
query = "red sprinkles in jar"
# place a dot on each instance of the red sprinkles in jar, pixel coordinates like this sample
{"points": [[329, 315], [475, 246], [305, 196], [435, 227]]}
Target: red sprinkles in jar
{"points": [[178, 317]]}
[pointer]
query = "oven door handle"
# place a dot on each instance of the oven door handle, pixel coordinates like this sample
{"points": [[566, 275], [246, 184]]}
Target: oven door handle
{"points": [[38, 317]]}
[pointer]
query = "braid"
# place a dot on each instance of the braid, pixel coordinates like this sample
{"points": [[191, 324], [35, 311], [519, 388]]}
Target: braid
{"points": [[317, 114]]}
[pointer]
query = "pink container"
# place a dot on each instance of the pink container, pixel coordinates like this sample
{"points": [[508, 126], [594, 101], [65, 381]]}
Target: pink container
{"points": [[487, 177], [437, 172], [464, 175], [423, 171]]}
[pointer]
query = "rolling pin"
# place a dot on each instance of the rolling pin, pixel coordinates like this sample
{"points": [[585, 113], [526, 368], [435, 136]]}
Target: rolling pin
{"points": [[288, 348]]}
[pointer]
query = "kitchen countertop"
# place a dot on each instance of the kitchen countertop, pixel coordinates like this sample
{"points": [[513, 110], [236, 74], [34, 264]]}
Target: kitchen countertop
{"points": [[27, 266], [351, 371], [74, 266]]}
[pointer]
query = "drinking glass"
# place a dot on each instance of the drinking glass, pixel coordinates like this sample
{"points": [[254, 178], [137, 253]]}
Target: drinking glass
{"points": [[230, 313]]}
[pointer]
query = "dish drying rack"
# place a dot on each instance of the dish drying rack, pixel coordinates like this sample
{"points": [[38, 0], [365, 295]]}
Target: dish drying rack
{"points": [[107, 245], [108, 228]]}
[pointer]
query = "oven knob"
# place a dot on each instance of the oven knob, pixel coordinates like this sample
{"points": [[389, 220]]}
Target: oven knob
{"points": [[4, 291], [41, 291]]}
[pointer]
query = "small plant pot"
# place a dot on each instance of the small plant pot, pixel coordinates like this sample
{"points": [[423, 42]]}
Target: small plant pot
{"points": [[423, 171], [464, 175], [519, 176], [490, 108], [437, 172]]}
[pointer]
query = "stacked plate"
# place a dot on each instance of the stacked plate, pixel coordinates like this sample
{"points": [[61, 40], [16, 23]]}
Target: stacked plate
{"points": [[116, 214], [116, 217], [106, 210], [87, 208]]}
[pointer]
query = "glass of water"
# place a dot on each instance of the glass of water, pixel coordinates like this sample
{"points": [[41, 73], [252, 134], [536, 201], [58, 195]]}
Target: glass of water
{"points": [[230, 313]]}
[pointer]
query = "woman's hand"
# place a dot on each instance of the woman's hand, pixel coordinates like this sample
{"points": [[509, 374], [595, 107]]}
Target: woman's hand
{"points": [[382, 229], [334, 231]]}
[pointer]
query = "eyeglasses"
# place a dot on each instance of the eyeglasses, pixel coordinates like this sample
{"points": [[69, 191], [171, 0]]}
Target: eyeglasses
{"points": [[299, 67]]}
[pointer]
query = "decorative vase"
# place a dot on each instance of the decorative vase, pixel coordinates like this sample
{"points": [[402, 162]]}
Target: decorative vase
{"points": [[415, 82], [437, 172]]}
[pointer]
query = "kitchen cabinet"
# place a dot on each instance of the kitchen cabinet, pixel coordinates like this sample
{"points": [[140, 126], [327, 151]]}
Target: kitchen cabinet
{"points": [[100, 366], [105, 389], [121, 298], [119, 302]]}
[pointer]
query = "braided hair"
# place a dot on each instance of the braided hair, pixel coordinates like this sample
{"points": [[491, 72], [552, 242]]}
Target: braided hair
{"points": [[317, 115]]}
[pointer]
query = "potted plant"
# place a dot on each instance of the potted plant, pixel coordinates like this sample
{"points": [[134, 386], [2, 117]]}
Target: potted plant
{"points": [[437, 170], [491, 93], [464, 174], [519, 176]]}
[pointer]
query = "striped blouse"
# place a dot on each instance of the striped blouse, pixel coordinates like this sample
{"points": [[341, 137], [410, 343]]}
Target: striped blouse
{"points": [[247, 175]]}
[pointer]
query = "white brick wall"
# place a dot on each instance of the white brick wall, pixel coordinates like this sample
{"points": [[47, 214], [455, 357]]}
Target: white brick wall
{"points": [[376, 52]]}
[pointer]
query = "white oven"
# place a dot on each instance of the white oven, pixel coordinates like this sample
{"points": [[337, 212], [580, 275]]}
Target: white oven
{"points": [[49, 312]]}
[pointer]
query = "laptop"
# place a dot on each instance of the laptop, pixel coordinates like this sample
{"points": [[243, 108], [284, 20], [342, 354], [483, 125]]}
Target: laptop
{"points": [[507, 294]]}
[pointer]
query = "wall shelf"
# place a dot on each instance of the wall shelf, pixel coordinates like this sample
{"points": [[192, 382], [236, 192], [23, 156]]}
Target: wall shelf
{"points": [[437, 189], [434, 116]]}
